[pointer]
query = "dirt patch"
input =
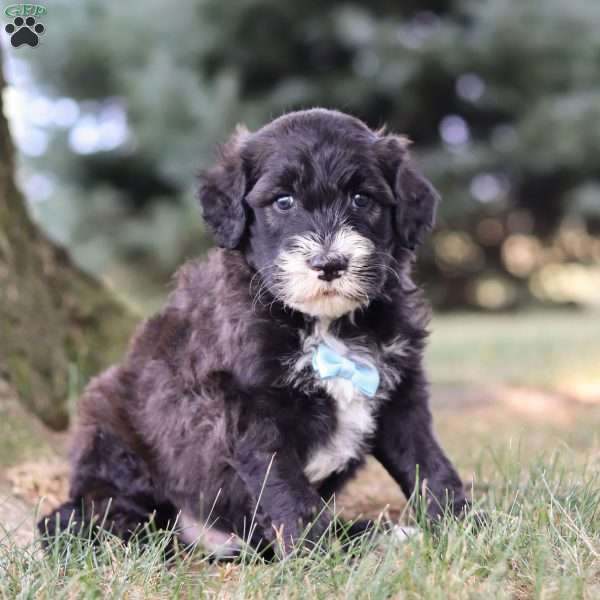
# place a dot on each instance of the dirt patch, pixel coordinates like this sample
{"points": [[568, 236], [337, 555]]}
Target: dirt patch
{"points": [[43, 483], [372, 493], [17, 519], [32, 466]]}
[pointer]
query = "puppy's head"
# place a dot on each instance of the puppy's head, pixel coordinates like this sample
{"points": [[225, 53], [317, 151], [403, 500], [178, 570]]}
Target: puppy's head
{"points": [[320, 204]]}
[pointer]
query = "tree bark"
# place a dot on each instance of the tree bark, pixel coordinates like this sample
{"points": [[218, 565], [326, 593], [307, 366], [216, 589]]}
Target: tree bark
{"points": [[54, 318]]}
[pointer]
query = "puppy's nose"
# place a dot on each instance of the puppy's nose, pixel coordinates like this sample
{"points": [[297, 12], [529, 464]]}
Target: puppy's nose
{"points": [[329, 267]]}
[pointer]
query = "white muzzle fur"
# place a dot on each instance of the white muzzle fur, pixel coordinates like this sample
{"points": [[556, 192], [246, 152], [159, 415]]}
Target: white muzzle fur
{"points": [[299, 286]]}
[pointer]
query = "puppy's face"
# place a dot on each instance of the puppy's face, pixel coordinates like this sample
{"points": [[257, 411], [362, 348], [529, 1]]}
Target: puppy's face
{"points": [[321, 231], [320, 204]]}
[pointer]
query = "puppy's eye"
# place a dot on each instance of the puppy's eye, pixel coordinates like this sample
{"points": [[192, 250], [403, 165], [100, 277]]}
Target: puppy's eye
{"points": [[284, 203], [360, 201]]}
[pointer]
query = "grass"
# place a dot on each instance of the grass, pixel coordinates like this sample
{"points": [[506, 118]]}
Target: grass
{"points": [[555, 349], [535, 468]]}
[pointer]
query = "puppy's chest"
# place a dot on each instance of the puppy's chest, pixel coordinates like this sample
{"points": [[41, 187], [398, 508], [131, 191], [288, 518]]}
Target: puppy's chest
{"points": [[354, 411]]}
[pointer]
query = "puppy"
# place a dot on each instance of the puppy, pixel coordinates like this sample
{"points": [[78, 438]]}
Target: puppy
{"points": [[281, 360]]}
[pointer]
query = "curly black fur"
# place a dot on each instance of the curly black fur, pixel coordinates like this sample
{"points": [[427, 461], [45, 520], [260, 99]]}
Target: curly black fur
{"points": [[215, 413]]}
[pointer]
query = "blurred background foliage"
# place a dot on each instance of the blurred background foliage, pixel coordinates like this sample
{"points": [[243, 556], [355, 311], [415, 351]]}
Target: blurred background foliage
{"points": [[124, 101]]}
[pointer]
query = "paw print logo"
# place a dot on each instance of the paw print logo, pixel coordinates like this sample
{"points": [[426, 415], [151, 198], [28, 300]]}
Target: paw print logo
{"points": [[24, 31]]}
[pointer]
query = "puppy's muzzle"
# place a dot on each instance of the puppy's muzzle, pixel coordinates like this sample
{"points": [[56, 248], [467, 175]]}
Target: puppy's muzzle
{"points": [[329, 267]]}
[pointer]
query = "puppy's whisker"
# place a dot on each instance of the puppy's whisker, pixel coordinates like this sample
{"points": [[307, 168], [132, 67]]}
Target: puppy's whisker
{"points": [[258, 299], [262, 286], [396, 273]]}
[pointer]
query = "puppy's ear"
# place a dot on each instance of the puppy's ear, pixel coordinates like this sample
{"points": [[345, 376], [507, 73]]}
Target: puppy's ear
{"points": [[416, 199], [222, 192]]}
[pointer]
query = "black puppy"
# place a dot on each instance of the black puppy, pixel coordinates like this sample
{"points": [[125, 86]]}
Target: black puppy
{"points": [[282, 359]]}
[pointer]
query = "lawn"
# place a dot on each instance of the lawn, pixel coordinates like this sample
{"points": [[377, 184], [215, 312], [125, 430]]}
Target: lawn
{"points": [[516, 401], [556, 349]]}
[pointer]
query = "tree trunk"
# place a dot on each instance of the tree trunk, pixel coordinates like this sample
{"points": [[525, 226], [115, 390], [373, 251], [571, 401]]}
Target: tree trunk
{"points": [[54, 318]]}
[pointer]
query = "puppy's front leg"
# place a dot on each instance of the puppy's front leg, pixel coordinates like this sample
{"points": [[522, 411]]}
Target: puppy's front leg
{"points": [[285, 501], [406, 446]]}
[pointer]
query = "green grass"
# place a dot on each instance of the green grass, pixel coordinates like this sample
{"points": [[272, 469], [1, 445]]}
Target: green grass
{"points": [[543, 542], [551, 349]]}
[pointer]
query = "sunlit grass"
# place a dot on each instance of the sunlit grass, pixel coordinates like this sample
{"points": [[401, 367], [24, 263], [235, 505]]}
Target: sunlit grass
{"points": [[552, 349]]}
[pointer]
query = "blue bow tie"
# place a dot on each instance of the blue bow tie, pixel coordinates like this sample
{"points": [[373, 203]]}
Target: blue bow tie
{"points": [[328, 364]]}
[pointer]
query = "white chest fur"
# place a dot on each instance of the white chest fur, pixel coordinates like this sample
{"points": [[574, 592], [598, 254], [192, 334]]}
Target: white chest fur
{"points": [[355, 412], [355, 423]]}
